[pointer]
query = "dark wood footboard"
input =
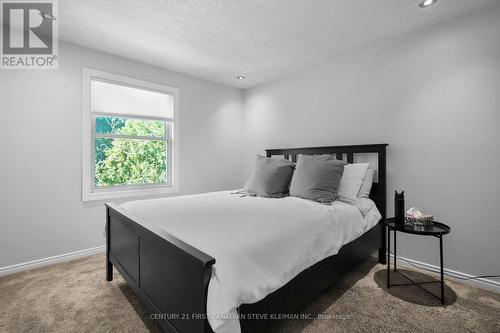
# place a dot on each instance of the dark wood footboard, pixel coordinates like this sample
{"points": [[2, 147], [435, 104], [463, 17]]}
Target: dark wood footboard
{"points": [[168, 275]]}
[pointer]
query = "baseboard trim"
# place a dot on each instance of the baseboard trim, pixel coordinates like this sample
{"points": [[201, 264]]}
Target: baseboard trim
{"points": [[452, 274], [7, 270], [403, 261]]}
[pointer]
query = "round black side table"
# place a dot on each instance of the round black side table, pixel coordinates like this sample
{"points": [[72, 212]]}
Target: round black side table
{"points": [[436, 229]]}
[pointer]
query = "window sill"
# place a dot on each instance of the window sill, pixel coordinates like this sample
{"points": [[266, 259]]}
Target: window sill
{"points": [[126, 193]]}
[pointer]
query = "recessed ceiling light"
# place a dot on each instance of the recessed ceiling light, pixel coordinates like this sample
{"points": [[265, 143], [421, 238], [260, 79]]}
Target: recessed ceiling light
{"points": [[426, 3], [240, 77], [47, 16]]}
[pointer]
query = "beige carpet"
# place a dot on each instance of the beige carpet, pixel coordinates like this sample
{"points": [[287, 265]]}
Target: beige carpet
{"points": [[74, 297]]}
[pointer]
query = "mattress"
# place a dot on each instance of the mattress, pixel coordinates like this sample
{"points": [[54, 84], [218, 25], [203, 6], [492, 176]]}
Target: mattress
{"points": [[259, 244]]}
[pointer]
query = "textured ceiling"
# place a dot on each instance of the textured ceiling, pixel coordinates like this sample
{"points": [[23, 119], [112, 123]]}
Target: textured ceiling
{"points": [[260, 39]]}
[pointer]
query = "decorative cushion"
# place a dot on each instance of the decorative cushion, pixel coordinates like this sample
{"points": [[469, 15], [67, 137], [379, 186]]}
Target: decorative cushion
{"points": [[317, 177], [351, 180], [366, 185], [270, 177]]}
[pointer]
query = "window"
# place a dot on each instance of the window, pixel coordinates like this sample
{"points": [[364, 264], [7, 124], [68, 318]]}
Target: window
{"points": [[129, 144]]}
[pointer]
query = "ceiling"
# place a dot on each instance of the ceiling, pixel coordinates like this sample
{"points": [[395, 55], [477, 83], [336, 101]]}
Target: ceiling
{"points": [[260, 39]]}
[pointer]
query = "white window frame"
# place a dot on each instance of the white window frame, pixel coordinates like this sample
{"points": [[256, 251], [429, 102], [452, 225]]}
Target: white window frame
{"points": [[89, 191]]}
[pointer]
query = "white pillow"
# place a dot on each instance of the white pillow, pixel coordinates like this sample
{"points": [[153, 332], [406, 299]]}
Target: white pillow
{"points": [[366, 186], [364, 205], [351, 180]]}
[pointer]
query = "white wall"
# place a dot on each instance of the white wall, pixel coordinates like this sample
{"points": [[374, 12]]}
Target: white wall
{"points": [[434, 96], [41, 212]]}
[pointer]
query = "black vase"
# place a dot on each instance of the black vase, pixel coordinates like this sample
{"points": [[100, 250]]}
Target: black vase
{"points": [[399, 207]]}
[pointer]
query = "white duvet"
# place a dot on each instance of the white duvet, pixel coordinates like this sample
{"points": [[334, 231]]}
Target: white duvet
{"points": [[259, 244]]}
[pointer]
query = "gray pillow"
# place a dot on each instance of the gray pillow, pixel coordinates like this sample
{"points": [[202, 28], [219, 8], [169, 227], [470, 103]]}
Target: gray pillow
{"points": [[317, 178], [271, 177]]}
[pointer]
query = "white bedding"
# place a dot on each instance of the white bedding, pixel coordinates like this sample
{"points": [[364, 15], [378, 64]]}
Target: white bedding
{"points": [[259, 244]]}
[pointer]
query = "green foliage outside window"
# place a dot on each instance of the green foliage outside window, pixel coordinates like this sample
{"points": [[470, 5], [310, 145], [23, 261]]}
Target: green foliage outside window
{"points": [[121, 161]]}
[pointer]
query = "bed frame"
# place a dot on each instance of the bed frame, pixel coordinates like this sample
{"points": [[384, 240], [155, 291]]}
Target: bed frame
{"points": [[171, 277]]}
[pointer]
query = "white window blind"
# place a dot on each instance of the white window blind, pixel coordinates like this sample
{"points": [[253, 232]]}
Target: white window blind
{"points": [[117, 99]]}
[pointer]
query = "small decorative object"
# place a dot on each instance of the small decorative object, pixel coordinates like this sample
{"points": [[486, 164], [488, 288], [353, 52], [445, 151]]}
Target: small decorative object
{"points": [[416, 218], [399, 207]]}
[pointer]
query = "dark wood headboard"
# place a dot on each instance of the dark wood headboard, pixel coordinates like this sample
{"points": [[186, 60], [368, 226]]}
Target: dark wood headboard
{"points": [[379, 190]]}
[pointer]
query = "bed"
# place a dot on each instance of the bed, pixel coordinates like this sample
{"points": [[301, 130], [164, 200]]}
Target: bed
{"points": [[171, 266]]}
